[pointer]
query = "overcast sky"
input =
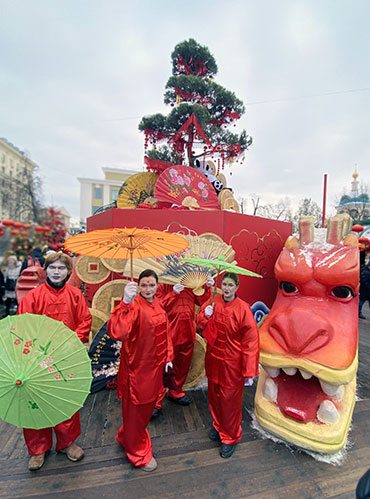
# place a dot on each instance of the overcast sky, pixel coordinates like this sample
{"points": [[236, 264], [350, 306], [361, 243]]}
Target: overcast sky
{"points": [[76, 76]]}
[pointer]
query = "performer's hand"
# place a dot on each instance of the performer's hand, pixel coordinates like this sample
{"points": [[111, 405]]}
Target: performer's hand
{"points": [[130, 292], [178, 288], [167, 366], [210, 282], [208, 311]]}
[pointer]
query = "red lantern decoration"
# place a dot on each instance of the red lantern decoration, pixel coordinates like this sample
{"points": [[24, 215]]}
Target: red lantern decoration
{"points": [[364, 240], [8, 223], [357, 228]]}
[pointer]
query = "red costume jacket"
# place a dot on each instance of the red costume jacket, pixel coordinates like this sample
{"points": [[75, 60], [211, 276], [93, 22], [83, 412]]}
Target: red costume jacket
{"points": [[235, 353], [180, 310], [65, 304], [146, 347]]}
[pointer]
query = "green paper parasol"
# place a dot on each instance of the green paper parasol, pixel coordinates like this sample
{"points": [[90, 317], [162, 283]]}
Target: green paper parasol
{"points": [[220, 266], [45, 371]]}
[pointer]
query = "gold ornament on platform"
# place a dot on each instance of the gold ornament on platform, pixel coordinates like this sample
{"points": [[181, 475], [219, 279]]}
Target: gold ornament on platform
{"points": [[114, 264], [109, 295], [231, 204], [91, 270]]}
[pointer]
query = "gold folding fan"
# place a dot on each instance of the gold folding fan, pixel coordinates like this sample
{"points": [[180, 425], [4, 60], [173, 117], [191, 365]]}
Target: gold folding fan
{"points": [[136, 189]]}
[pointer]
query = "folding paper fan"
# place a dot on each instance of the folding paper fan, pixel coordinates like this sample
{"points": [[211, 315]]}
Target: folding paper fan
{"points": [[195, 281], [172, 269], [197, 370], [180, 182], [136, 190], [104, 353]]}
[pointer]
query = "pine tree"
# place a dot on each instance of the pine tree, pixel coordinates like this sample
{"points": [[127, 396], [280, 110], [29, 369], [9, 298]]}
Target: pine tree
{"points": [[196, 128]]}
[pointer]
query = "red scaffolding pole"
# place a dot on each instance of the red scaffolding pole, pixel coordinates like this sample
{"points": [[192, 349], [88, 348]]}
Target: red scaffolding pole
{"points": [[324, 201]]}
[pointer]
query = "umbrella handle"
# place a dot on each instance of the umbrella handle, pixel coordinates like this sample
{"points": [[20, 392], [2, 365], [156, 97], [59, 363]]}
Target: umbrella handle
{"points": [[131, 265], [215, 288]]}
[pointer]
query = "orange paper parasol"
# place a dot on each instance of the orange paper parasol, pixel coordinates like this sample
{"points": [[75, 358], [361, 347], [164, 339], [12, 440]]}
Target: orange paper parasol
{"points": [[126, 243]]}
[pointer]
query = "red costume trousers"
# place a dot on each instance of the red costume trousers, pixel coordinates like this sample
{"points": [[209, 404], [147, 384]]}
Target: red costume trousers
{"points": [[133, 435], [183, 355], [225, 405], [40, 441]]}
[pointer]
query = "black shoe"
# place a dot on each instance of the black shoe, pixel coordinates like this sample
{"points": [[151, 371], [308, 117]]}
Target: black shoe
{"points": [[361, 316], [213, 434], [227, 450], [184, 400], [156, 413]]}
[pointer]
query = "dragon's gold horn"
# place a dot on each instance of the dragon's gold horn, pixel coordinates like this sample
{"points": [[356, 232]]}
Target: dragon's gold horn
{"points": [[306, 230]]}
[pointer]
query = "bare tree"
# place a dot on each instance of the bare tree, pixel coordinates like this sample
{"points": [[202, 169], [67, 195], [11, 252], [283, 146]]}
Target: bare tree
{"points": [[308, 207], [278, 211], [21, 195]]}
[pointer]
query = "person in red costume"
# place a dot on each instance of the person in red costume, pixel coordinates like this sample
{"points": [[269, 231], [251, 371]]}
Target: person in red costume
{"points": [[179, 303], [141, 324], [232, 357], [64, 303]]}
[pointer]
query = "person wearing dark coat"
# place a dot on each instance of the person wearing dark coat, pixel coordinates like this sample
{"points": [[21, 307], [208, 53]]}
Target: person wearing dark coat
{"points": [[363, 486], [364, 289], [35, 253], [2, 286]]}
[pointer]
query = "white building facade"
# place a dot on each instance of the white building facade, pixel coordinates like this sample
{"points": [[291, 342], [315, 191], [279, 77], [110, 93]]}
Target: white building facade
{"points": [[96, 193]]}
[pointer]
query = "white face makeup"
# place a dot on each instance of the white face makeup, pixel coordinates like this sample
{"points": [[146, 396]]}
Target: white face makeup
{"points": [[229, 289], [57, 272], [148, 287]]}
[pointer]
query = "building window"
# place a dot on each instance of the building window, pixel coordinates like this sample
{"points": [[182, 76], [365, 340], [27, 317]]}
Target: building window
{"points": [[3, 159], [114, 194], [11, 163], [98, 193]]}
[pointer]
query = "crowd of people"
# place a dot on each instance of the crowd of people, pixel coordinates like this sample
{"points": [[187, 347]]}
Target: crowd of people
{"points": [[10, 276], [156, 325]]}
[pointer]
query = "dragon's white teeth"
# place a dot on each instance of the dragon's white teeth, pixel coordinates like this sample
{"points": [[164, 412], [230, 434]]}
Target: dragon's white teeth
{"points": [[329, 388], [327, 412], [339, 394], [305, 374], [290, 371], [270, 390], [272, 371]]}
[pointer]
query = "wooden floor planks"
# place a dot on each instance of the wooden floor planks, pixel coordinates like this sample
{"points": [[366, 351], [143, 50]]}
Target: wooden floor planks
{"points": [[189, 463]]}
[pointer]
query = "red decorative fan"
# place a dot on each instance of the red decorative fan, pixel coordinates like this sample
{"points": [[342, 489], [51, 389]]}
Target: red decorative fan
{"points": [[183, 183]]}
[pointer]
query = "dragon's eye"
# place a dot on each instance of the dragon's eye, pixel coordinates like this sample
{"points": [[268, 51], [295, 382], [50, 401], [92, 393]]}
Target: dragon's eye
{"points": [[342, 292], [288, 287]]}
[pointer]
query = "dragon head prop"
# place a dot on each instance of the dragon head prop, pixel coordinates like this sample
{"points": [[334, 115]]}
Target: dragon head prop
{"points": [[307, 388]]}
